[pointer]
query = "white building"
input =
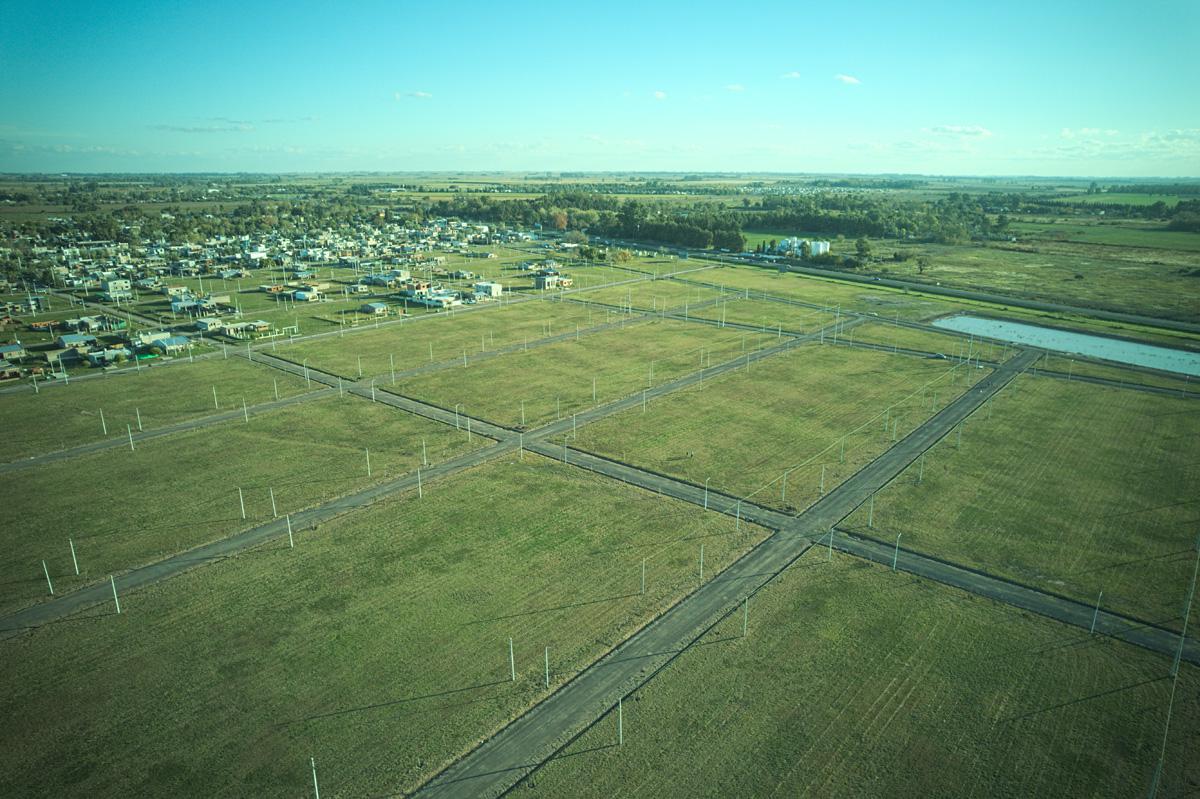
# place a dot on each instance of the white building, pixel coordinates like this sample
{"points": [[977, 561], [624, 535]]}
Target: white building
{"points": [[488, 290], [794, 246]]}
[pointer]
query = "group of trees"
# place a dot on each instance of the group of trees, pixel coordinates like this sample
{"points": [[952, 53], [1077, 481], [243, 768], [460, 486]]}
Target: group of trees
{"points": [[698, 224], [955, 218]]}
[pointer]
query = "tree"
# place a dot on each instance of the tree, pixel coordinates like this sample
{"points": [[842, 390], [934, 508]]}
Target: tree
{"points": [[623, 256], [805, 250], [576, 237], [922, 263], [863, 248]]}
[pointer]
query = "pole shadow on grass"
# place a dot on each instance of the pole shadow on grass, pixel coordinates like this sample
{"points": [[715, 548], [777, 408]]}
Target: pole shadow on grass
{"points": [[569, 606], [392, 703], [1120, 564], [588, 751], [96, 613], [1082, 699]]}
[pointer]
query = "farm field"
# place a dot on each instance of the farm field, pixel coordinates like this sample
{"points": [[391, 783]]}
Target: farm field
{"points": [[67, 414], [1124, 198], [742, 430], [378, 646], [767, 314], [651, 295], [527, 389], [882, 684], [442, 337], [1106, 277], [1013, 499], [1144, 236], [124, 509]]}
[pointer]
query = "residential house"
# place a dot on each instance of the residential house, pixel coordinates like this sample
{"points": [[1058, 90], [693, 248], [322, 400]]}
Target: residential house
{"points": [[75, 341], [488, 290], [12, 352], [374, 309], [107, 356], [116, 289], [171, 345]]}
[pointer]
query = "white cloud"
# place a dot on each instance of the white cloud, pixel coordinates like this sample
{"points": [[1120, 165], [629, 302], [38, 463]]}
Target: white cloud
{"points": [[660, 95], [227, 127], [847, 79], [735, 87], [793, 75], [961, 130], [416, 95], [1178, 145]]}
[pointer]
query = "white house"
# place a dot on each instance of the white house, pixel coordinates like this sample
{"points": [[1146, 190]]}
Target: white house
{"points": [[488, 290]]}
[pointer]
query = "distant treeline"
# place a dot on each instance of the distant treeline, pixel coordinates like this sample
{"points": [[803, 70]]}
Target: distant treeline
{"points": [[699, 224], [1184, 189]]}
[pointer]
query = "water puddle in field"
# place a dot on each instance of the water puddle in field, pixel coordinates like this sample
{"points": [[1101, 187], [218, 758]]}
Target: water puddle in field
{"points": [[1064, 341]]}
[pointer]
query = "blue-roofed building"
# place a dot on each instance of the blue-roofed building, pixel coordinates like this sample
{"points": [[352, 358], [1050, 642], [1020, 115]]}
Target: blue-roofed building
{"points": [[12, 352], [171, 344], [75, 341]]}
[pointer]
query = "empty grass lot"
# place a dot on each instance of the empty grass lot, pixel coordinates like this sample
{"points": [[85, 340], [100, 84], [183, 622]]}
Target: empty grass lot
{"points": [[126, 508], [1074, 366], [379, 645], [556, 380], [443, 337], [927, 341], [1069, 487], [651, 295], [742, 430], [831, 293], [882, 684], [765, 314], [66, 414]]}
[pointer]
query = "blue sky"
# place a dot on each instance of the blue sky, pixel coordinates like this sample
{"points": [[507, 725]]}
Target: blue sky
{"points": [[1047, 88]]}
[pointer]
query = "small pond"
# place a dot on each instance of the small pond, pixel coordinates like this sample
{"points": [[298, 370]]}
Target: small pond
{"points": [[1048, 338]]}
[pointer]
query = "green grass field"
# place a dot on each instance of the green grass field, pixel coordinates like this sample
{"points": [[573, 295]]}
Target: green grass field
{"points": [[1153, 237], [443, 337], [379, 645], [831, 293], [1068, 487], [654, 295], [1110, 277], [67, 414], [947, 344], [854, 681], [1123, 198], [1075, 366], [556, 380], [791, 411], [126, 508], [913, 306], [766, 314]]}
